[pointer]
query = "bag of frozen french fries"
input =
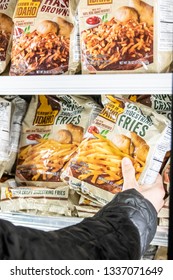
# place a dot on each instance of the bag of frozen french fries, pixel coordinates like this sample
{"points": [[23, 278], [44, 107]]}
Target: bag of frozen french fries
{"points": [[125, 36], [38, 201], [52, 129], [6, 31], [161, 103], [122, 129], [45, 39]]}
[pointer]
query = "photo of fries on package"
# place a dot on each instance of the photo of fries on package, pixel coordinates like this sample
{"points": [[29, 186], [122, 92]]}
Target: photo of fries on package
{"points": [[44, 38], [119, 36], [122, 129], [51, 132]]}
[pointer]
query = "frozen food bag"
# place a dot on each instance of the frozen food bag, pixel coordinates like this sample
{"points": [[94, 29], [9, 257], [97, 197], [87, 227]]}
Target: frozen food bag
{"points": [[122, 129], [52, 129], [39, 201], [161, 103], [5, 118], [86, 211], [125, 36], [6, 30], [45, 39], [18, 110]]}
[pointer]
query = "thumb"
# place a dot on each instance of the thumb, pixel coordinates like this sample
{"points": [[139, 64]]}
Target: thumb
{"points": [[128, 174]]}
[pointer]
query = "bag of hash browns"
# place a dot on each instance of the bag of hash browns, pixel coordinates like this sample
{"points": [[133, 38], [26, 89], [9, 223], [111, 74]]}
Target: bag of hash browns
{"points": [[45, 40], [52, 129], [122, 129], [125, 36], [6, 31]]}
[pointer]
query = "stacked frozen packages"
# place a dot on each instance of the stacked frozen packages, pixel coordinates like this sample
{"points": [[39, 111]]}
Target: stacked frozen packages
{"points": [[51, 132], [70, 153], [61, 37]]}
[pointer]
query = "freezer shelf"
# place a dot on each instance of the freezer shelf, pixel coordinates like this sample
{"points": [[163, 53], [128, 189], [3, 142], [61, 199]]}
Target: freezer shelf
{"points": [[55, 223], [88, 84], [39, 222]]}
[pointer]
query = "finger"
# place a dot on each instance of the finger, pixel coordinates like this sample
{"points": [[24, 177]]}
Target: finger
{"points": [[128, 174]]}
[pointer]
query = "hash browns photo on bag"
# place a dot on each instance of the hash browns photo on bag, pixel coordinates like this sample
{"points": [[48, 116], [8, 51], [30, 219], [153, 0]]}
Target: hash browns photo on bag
{"points": [[125, 36], [45, 38]]}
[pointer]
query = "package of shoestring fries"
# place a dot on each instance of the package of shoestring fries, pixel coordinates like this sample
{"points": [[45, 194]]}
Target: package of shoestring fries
{"points": [[122, 129], [52, 129], [161, 103], [35, 200]]}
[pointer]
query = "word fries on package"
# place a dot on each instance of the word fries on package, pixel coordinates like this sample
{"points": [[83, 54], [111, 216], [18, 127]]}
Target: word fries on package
{"points": [[51, 132], [122, 129]]}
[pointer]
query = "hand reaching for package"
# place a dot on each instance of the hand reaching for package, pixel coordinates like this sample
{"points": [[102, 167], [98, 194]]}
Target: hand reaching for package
{"points": [[154, 192]]}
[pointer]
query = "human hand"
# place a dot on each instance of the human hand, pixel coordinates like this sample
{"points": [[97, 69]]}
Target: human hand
{"points": [[154, 192]]}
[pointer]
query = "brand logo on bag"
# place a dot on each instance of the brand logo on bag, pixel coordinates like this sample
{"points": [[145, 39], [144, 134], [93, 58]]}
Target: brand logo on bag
{"points": [[99, 2], [47, 111], [27, 8], [112, 110]]}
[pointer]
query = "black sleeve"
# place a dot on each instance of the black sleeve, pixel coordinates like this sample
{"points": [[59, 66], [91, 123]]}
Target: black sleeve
{"points": [[120, 230]]}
